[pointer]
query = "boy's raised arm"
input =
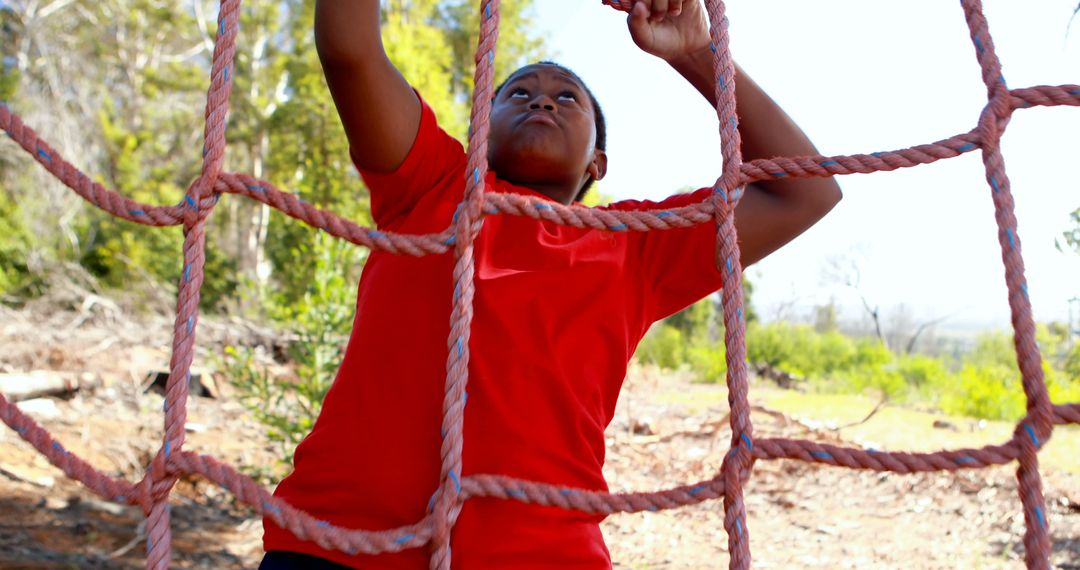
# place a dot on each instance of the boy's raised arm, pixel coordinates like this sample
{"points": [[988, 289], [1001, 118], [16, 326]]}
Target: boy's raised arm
{"points": [[377, 107], [771, 213]]}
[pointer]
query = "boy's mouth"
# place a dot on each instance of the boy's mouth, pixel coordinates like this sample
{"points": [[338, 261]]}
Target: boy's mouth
{"points": [[540, 118]]}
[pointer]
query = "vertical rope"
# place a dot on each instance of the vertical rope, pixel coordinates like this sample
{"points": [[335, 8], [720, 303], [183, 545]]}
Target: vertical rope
{"points": [[160, 481], [1036, 428], [726, 195], [447, 504]]}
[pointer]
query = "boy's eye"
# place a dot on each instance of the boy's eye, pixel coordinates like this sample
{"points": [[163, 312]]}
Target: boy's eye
{"points": [[518, 93], [568, 95]]}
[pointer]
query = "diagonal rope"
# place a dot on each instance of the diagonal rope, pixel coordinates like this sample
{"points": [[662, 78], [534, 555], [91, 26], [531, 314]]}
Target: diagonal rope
{"points": [[171, 461]]}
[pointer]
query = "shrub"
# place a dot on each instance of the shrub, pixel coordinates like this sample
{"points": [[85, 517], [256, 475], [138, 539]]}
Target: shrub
{"points": [[664, 346]]}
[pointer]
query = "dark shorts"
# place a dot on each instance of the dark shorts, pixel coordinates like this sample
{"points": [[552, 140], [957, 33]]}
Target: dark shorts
{"points": [[281, 560]]}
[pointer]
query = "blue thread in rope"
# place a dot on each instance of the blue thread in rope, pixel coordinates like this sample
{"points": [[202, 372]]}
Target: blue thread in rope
{"points": [[1074, 92], [56, 445], [821, 454], [190, 324], [460, 348], [722, 82], [566, 492], [119, 499], [44, 154], [20, 430], [1024, 288], [516, 493], [1011, 237], [664, 214], [739, 313], [978, 46], [1001, 78], [405, 538], [191, 202], [487, 10], [746, 440], [451, 240], [730, 267], [542, 207], [464, 398], [779, 174], [226, 73], [1031, 434], [457, 482], [168, 449], [829, 163], [738, 526], [994, 183], [457, 290], [187, 273], [375, 234], [712, 47], [652, 508], [268, 506], [966, 147], [256, 188], [137, 212], [696, 490], [618, 228], [1039, 515], [964, 459], [221, 28]]}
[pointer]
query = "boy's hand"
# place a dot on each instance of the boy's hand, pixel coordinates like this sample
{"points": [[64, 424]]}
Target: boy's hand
{"points": [[669, 29]]}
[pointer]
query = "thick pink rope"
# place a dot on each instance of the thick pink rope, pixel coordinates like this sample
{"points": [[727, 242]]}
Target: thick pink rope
{"points": [[171, 462]]}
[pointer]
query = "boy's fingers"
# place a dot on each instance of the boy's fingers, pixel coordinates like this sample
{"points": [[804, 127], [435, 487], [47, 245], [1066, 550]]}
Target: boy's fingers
{"points": [[639, 17], [675, 7], [659, 10]]}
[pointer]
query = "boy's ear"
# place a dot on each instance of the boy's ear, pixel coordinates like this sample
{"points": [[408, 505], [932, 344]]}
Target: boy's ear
{"points": [[598, 167]]}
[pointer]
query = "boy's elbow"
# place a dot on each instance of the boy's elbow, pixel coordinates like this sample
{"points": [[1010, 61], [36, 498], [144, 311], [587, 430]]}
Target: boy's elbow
{"points": [[829, 196]]}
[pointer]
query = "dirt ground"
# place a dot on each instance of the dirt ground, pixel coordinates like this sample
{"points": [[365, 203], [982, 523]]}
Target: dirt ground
{"points": [[800, 516]]}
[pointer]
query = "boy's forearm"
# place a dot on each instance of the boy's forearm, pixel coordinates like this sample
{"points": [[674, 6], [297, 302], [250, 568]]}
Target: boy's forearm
{"points": [[765, 128]]}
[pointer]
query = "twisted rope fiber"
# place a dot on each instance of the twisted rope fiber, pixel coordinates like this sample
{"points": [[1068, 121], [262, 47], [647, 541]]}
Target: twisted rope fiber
{"points": [[171, 462]]}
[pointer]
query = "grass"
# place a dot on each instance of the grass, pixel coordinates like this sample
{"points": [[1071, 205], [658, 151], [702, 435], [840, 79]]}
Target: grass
{"points": [[893, 428]]}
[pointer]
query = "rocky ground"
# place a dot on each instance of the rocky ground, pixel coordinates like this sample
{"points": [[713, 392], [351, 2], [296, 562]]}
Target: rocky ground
{"points": [[800, 516]]}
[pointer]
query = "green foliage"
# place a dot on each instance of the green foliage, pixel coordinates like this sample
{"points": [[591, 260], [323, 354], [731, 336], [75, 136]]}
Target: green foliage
{"points": [[321, 319], [1072, 235], [15, 244], [991, 392], [708, 361], [664, 346]]}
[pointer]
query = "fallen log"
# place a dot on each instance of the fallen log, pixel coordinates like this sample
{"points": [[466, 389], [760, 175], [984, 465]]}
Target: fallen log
{"points": [[39, 383]]}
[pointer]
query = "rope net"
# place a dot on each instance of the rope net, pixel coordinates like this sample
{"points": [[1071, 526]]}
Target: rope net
{"points": [[171, 461]]}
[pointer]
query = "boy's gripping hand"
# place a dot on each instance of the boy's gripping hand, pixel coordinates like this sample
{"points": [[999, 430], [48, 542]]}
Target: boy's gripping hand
{"points": [[669, 29]]}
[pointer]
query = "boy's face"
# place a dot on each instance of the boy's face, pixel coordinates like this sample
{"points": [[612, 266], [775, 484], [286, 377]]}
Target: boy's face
{"points": [[543, 131]]}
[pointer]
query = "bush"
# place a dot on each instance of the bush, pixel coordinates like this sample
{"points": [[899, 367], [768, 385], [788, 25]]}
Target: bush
{"points": [[664, 346], [708, 361], [991, 392]]}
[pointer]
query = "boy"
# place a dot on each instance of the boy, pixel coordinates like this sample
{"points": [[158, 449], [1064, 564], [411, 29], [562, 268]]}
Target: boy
{"points": [[558, 310]]}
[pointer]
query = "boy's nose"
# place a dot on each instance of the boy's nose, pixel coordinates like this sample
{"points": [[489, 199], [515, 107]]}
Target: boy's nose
{"points": [[544, 102]]}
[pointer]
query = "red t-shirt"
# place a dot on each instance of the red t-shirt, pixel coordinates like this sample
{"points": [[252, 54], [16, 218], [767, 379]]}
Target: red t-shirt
{"points": [[558, 313]]}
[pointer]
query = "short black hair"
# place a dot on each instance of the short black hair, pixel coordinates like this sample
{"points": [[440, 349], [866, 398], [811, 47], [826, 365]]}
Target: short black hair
{"points": [[598, 114]]}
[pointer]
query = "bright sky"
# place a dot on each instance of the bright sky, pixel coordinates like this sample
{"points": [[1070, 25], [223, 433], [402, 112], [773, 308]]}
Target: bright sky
{"points": [[861, 77]]}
